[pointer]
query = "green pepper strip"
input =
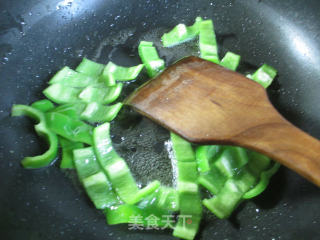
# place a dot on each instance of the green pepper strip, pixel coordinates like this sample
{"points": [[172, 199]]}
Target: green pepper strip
{"points": [[230, 61], [210, 175], [71, 78], [61, 94], [150, 58], [213, 180], [231, 160], [101, 94], [113, 72], [189, 196], [162, 202], [41, 128], [43, 105], [90, 68], [168, 199], [258, 162], [98, 113], [263, 183], [93, 179], [72, 110], [233, 176], [69, 128], [86, 162], [67, 152], [181, 33], [117, 169], [205, 155], [207, 42], [264, 75], [223, 204]]}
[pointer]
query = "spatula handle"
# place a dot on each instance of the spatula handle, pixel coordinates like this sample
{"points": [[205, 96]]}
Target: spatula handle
{"points": [[286, 144]]}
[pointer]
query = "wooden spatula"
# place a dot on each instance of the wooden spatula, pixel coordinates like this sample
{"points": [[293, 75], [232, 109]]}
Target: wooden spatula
{"points": [[208, 104]]}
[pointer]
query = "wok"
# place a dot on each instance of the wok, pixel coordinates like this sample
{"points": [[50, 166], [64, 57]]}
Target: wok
{"points": [[37, 38]]}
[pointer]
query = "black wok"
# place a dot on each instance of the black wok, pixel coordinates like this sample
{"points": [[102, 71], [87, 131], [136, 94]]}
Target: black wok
{"points": [[39, 37]]}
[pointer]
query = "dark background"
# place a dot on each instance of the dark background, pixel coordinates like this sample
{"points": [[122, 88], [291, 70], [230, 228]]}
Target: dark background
{"points": [[37, 38]]}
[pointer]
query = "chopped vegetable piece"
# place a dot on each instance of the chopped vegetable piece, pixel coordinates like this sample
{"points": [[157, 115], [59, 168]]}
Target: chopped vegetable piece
{"points": [[71, 78], [207, 42], [258, 162], [100, 191], [264, 75], [142, 193], [223, 204], [69, 128], [150, 58], [120, 73], [205, 155], [93, 179], [101, 94], [167, 199], [187, 227], [61, 94], [109, 80], [182, 149], [90, 68], [67, 152], [86, 162], [155, 206], [189, 196], [96, 112], [41, 128], [72, 110], [231, 160], [116, 168], [43, 105], [187, 171], [181, 33], [263, 182], [230, 61], [213, 180]]}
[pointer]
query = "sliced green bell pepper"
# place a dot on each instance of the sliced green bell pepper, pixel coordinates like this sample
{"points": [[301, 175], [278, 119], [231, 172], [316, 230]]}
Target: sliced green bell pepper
{"points": [[67, 152], [93, 179], [113, 72], [43, 105], [264, 75], [207, 42], [155, 206], [230, 61], [150, 58], [98, 113], [205, 155], [263, 182], [71, 78], [181, 33], [72, 110], [188, 189], [100, 93], [228, 198], [71, 129], [117, 169], [90, 68], [42, 130], [61, 94]]}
